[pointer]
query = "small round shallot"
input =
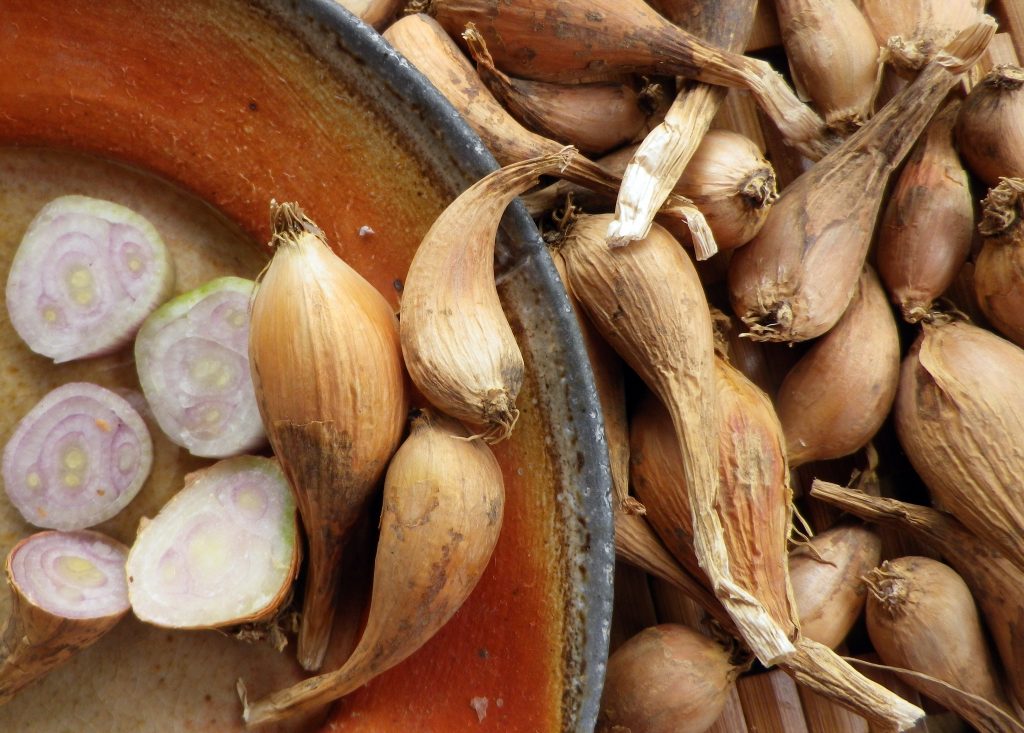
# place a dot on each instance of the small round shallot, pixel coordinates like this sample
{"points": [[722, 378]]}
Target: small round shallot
{"points": [[77, 458], [222, 552], [666, 679], [85, 276]]}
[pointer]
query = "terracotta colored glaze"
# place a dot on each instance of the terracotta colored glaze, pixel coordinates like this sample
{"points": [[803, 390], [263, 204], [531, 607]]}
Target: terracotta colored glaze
{"points": [[221, 100]]}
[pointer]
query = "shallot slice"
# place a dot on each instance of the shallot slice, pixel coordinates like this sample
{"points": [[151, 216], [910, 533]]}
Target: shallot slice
{"points": [[192, 355], [221, 552], [69, 589], [77, 458], [85, 276]]}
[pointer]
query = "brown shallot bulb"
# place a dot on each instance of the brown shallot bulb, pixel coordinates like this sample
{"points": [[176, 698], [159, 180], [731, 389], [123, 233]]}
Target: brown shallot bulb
{"points": [[989, 128], [666, 679], [833, 57], [998, 266], [926, 231], [912, 33]]}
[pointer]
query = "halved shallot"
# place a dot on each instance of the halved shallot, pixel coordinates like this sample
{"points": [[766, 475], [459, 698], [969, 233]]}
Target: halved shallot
{"points": [[221, 552], [69, 589], [77, 458], [192, 355], [85, 276]]}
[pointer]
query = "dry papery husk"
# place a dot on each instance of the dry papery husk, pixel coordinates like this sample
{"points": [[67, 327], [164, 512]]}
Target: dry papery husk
{"points": [[561, 40], [429, 48], [728, 179], [959, 416], [826, 573], [663, 156], [921, 617], [797, 276], [912, 33], [458, 346], [754, 503], [839, 393], [926, 231], [442, 512], [667, 679], [647, 302], [998, 267], [833, 58], [996, 583], [595, 117], [989, 128], [331, 389]]}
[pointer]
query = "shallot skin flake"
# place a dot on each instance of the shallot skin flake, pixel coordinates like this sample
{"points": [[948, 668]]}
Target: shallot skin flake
{"points": [[85, 276]]}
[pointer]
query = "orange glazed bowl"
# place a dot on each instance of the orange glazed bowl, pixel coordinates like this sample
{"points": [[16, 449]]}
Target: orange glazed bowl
{"points": [[197, 114]]}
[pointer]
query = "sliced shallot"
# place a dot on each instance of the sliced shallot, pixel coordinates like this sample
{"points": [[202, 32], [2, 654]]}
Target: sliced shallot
{"points": [[85, 276], [77, 458], [221, 552], [192, 355], [69, 589]]}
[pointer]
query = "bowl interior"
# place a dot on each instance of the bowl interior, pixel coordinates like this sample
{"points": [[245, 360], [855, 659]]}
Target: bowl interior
{"points": [[198, 114]]}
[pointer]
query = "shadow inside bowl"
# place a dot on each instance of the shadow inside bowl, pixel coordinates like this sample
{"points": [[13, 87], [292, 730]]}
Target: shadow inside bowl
{"points": [[197, 114]]}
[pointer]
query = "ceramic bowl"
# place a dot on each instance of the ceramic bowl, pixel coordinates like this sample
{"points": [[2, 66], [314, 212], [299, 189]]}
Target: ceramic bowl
{"points": [[197, 114]]}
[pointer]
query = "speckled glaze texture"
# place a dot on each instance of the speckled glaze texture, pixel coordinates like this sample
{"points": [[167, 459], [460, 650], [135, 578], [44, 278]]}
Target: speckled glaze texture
{"points": [[174, 108]]}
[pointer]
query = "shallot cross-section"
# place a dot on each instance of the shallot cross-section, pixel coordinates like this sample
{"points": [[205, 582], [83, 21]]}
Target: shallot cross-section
{"points": [[192, 355], [85, 276], [77, 458], [68, 590], [222, 552]]}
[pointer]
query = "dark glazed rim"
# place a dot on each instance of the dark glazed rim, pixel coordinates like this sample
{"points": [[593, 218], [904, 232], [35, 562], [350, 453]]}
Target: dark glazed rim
{"points": [[585, 494]]}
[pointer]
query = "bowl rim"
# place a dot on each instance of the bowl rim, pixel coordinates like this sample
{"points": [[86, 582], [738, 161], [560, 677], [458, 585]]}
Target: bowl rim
{"points": [[592, 494]]}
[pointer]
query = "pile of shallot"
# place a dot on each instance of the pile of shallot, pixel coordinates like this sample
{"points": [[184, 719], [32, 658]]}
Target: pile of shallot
{"points": [[791, 242], [793, 254]]}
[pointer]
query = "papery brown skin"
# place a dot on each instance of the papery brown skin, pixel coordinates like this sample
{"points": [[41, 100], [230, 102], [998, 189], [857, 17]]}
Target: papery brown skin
{"points": [[457, 343], [442, 513], [331, 389], [666, 679], [926, 231], [959, 416], [839, 393], [999, 266], [34, 641], [647, 302], [996, 583], [827, 580], [833, 56], [565, 41], [921, 617], [665, 152], [728, 179], [797, 276], [989, 131], [429, 48], [923, 27], [732, 184], [595, 117]]}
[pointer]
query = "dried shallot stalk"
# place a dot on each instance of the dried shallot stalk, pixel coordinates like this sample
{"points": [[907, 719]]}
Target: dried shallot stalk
{"points": [[561, 40], [662, 157]]}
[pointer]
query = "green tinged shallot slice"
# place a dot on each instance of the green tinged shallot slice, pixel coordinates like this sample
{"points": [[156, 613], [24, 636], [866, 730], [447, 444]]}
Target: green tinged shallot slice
{"points": [[192, 355]]}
